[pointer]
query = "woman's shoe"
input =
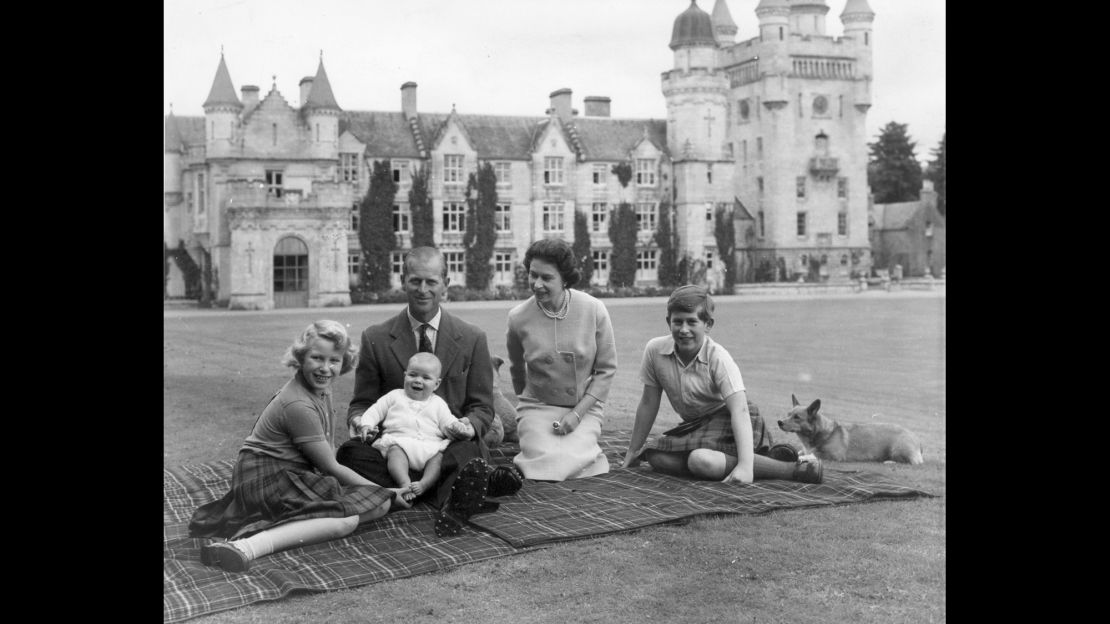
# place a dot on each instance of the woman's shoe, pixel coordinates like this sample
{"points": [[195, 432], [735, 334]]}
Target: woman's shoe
{"points": [[224, 556]]}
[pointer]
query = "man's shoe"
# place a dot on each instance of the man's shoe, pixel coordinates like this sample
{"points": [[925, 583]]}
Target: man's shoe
{"points": [[809, 472], [783, 452], [467, 495], [224, 556], [505, 481]]}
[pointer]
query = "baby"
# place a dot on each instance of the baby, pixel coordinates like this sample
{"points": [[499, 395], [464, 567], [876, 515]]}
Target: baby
{"points": [[416, 425]]}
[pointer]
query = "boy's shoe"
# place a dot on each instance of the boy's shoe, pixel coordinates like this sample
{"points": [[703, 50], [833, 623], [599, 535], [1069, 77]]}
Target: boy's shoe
{"points": [[505, 481], [809, 472], [224, 556], [467, 495], [783, 452]]}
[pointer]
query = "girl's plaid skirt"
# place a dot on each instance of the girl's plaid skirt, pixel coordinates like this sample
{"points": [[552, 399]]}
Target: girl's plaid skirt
{"points": [[716, 434], [266, 491]]}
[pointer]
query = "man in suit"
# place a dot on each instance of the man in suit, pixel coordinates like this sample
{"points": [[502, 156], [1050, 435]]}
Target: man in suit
{"points": [[467, 388]]}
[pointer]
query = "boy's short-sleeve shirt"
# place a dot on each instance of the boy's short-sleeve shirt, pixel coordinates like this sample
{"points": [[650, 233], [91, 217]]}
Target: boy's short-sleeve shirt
{"points": [[698, 388]]}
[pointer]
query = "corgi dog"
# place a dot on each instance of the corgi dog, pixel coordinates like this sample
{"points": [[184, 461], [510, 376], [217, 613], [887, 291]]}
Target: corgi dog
{"points": [[860, 442], [504, 414]]}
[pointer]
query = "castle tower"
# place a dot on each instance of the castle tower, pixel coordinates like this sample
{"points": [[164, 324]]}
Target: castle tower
{"points": [[723, 26], [774, 20], [696, 91], [807, 17], [857, 18], [221, 114], [322, 115]]}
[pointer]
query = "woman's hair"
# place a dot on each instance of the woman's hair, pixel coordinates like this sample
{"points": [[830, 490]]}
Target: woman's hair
{"points": [[327, 330], [559, 253], [690, 298]]}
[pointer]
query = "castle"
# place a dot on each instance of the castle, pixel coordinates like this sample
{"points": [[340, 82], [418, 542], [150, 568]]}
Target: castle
{"points": [[262, 195]]}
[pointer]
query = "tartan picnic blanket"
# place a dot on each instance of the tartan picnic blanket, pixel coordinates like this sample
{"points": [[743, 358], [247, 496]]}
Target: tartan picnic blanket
{"points": [[403, 543]]}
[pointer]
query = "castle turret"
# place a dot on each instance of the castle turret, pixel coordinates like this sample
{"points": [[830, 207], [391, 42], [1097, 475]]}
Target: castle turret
{"points": [[857, 18], [221, 113], [774, 20], [807, 17], [723, 26], [322, 114]]}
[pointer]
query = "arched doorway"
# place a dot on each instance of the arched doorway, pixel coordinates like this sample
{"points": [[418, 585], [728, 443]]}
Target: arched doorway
{"points": [[291, 273]]}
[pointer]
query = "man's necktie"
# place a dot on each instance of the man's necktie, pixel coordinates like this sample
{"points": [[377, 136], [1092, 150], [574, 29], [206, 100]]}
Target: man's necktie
{"points": [[425, 342]]}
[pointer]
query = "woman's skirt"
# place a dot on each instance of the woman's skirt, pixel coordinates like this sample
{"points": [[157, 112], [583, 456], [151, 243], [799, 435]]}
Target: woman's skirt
{"points": [[548, 456], [266, 491], [716, 434]]}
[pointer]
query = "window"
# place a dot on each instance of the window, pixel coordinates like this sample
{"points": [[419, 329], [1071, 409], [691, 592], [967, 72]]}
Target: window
{"points": [[709, 259], [273, 132], [645, 217], [928, 229], [844, 260], [353, 261], [402, 175], [646, 265], [744, 150], [552, 170], [759, 148], [397, 263], [759, 183], [801, 224], [455, 265], [601, 266], [601, 174], [842, 188], [842, 223], [502, 218], [709, 212], [503, 267], [709, 173], [503, 171], [745, 110], [401, 216], [454, 217], [800, 187], [273, 183], [804, 261], [552, 217], [453, 169], [801, 113], [348, 168], [645, 172], [202, 195], [598, 215], [354, 217], [761, 225]]}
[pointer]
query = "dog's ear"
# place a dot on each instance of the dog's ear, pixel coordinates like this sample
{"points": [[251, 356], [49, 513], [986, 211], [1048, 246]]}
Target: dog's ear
{"points": [[497, 362], [813, 407], [795, 400]]}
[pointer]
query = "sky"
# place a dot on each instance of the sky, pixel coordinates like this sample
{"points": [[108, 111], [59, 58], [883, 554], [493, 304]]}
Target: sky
{"points": [[504, 57]]}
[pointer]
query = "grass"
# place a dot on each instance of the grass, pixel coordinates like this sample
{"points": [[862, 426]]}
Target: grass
{"points": [[860, 354]]}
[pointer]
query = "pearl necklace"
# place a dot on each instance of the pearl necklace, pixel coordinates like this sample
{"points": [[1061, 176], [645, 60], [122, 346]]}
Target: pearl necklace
{"points": [[563, 310]]}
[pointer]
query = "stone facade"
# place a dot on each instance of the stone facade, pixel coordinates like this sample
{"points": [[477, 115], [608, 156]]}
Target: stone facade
{"points": [[749, 126]]}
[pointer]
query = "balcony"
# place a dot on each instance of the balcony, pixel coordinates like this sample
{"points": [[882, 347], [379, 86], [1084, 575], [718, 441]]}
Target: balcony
{"points": [[823, 167]]}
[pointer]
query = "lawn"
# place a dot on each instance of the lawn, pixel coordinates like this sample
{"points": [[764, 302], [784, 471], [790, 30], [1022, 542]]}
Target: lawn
{"points": [[866, 354]]}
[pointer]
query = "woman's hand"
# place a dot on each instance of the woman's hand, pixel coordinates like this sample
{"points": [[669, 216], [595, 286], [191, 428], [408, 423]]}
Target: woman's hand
{"points": [[568, 423], [739, 474]]}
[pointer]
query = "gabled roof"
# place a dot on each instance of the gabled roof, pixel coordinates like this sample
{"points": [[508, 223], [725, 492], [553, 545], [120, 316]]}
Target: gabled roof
{"points": [[320, 95], [605, 138], [181, 132], [384, 134], [222, 92], [442, 130], [172, 137], [740, 211]]}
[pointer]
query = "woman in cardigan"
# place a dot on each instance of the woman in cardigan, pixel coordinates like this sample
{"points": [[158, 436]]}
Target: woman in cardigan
{"points": [[562, 361]]}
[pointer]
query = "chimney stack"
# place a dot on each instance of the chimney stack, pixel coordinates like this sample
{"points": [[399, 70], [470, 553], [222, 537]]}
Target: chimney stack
{"points": [[250, 96], [597, 106], [306, 88], [560, 103], [408, 99]]}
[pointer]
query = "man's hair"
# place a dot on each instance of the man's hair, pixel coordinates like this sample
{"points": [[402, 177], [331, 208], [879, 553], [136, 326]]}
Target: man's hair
{"points": [[425, 254], [691, 298]]}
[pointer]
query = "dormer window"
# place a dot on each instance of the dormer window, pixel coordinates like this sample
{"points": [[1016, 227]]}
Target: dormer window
{"points": [[552, 170], [453, 168], [645, 172]]}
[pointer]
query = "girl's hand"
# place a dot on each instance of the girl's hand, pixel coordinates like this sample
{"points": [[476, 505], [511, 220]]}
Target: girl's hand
{"points": [[740, 475], [631, 462]]}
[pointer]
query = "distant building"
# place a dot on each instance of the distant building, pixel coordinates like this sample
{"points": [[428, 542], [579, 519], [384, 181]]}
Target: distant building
{"points": [[910, 234], [263, 194]]}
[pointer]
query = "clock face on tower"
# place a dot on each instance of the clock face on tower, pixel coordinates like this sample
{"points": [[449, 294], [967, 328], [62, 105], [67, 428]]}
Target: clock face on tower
{"points": [[820, 105]]}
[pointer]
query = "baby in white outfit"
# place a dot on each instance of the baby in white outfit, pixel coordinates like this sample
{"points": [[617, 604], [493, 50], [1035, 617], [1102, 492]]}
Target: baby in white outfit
{"points": [[416, 425]]}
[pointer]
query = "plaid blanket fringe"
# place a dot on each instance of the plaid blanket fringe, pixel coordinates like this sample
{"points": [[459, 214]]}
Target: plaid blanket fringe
{"points": [[403, 544]]}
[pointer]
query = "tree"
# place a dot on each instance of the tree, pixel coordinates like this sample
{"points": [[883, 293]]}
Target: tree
{"points": [[375, 228], [936, 173], [420, 205], [669, 273], [622, 234], [582, 249], [480, 236], [893, 172], [724, 229]]}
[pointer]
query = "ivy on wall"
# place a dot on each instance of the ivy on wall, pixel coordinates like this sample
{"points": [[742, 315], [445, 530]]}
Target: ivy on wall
{"points": [[480, 236], [420, 204], [375, 228]]}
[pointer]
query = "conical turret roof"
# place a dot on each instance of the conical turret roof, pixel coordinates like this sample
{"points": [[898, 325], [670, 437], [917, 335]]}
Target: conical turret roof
{"points": [[223, 91], [721, 15], [693, 27], [174, 142], [320, 96], [856, 6]]}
